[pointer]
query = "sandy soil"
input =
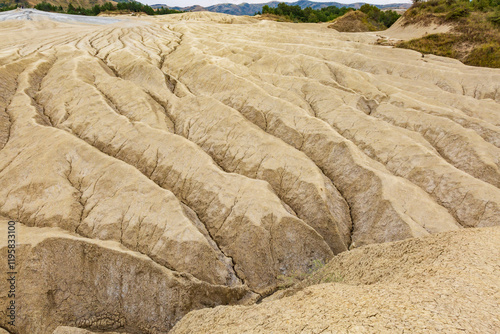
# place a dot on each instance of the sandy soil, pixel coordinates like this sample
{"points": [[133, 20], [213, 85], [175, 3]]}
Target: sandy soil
{"points": [[210, 155], [399, 31]]}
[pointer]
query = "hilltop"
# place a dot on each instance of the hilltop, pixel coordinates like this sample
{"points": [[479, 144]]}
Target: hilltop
{"points": [[356, 21]]}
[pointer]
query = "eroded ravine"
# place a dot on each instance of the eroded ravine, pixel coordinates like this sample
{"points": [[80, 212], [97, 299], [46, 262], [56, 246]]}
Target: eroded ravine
{"points": [[228, 158]]}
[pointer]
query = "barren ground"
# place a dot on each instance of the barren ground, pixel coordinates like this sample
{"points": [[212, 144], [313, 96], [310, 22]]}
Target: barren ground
{"points": [[158, 165]]}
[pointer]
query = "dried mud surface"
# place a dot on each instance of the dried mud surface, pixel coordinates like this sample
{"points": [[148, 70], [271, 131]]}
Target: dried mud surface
{"points": [[220, 153]]}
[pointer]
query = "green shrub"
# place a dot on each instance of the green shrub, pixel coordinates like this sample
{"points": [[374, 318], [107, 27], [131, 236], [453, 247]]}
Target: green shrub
{"points": [[480, 4], [326, 14], [458, 12], [6, 7], [47, 7], [440, 9], [486, 55], [495, 18]]}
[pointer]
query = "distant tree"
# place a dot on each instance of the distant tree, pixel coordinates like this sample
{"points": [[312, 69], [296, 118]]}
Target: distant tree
{"points": [[373, 12], [312, 18], [108, 6], [96, 10], [389, 17], [71, 9]]}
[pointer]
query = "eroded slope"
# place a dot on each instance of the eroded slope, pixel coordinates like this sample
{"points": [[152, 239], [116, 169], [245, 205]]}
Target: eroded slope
{"points": [[425, 285], [235, 150], [100, 285]]}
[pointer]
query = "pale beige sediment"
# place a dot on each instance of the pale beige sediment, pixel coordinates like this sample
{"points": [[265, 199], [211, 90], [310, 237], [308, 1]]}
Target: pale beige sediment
{"points": [[313, 198], [337, 102], [80, 189], [64, 279], [223, 202], [326, 148]]}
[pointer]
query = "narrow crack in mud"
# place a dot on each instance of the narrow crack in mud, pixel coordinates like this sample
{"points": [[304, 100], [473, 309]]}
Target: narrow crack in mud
{"points": [[230, 151]]}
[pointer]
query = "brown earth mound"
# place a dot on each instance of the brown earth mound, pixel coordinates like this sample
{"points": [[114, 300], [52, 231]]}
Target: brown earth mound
{"points": [[355, 21]]}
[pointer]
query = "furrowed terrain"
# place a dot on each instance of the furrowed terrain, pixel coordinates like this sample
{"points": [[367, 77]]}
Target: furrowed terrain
{"points": [[161, 165]]}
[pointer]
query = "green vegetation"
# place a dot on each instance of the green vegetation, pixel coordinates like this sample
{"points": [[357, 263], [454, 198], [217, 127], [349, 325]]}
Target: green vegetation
{"points": [[387, 18], [438, 44], [475, 38], [121, 7], [356, 21], [5, 7], [296, 14], [485, 55]]}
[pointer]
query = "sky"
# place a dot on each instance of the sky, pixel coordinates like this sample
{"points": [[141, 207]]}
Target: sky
{"points": [[205, 3]]}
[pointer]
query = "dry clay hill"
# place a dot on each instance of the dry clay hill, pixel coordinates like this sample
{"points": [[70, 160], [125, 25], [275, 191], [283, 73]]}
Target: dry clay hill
{"points": [[160, 165]]}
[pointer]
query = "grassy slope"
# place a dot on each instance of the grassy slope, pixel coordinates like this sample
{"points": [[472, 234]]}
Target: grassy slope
{"points": [[475, 39]]}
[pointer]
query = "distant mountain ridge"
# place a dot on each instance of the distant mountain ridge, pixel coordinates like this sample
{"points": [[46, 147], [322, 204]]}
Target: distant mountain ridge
{"points": [[252, 8]]}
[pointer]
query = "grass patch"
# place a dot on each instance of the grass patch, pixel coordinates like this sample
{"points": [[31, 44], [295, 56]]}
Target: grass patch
{"points": [[438, 44], [457, 12]]}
